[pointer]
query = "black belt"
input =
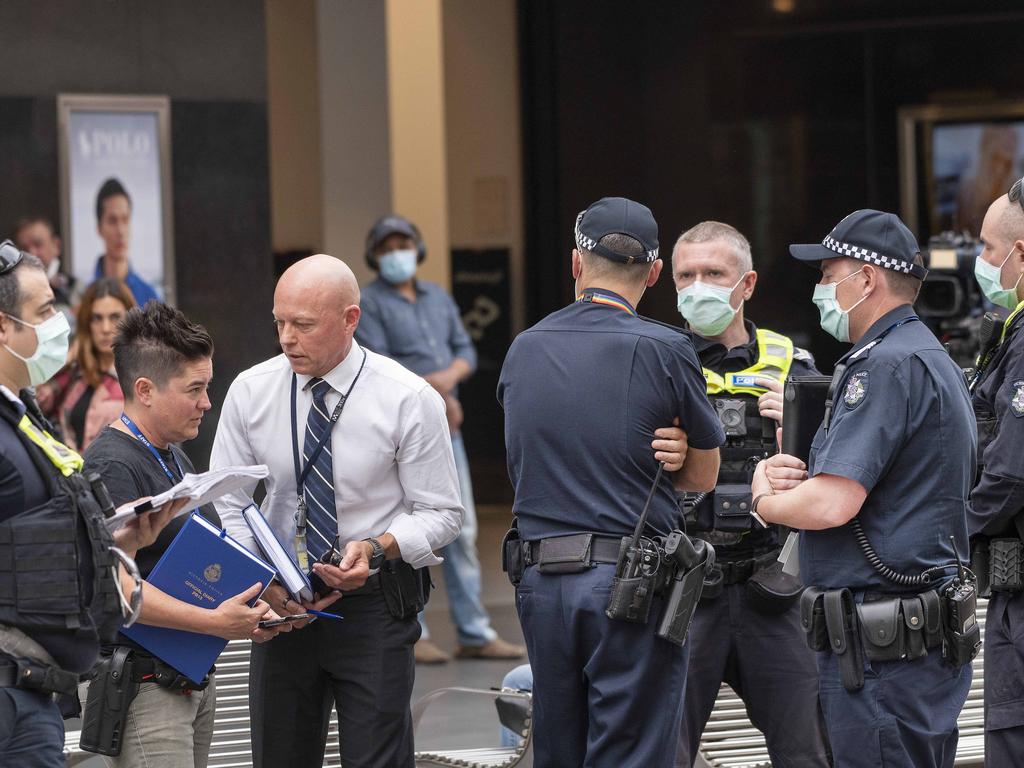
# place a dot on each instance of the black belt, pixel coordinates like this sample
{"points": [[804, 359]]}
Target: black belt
{"points": [[33, 676], [147, 668], [372, 585], [602, 549], [739, 571]]}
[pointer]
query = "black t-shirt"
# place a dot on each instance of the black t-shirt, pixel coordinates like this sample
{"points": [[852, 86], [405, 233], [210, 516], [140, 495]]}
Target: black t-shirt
{"points": [[129, 471]]}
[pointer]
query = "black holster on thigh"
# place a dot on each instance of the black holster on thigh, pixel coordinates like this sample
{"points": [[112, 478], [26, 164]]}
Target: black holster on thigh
{"points": [[111, 692], [406, 589]]}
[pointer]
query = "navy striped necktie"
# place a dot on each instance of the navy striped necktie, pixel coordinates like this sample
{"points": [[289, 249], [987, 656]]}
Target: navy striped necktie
{"points": [[322, 516]]}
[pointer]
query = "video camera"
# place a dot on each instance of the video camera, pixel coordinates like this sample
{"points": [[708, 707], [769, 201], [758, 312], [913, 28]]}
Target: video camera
{"points": [[950, 302]]}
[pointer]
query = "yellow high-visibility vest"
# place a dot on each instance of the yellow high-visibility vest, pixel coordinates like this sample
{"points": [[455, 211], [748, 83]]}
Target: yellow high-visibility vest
{"points": [[62, 457], [774, 358]]}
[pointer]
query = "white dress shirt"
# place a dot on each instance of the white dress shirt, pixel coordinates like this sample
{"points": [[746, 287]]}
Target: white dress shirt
{"points": [[391, 453]]}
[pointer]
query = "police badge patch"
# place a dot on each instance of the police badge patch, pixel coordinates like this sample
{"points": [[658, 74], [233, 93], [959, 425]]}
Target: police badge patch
{"points": [[1017, 401], [856, 389]]}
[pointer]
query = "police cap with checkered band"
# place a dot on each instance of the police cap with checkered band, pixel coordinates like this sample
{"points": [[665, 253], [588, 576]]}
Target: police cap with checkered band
{"points": [[618, 216], [870, 236]]}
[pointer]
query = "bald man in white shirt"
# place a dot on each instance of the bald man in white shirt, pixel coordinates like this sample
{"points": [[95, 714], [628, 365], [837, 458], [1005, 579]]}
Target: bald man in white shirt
{"points": [[383, 488]]}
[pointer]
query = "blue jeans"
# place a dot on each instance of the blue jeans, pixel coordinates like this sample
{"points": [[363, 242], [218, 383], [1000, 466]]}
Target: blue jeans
{"points": [[461, 567], [520, 678], [31, 730]]}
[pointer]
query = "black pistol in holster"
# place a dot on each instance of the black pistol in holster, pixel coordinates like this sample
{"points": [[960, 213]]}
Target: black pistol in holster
{"points": [[690, 561], [111, 692]]}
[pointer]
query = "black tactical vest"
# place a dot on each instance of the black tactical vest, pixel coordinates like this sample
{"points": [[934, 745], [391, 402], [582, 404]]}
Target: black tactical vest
{"points": [[56, 568]]}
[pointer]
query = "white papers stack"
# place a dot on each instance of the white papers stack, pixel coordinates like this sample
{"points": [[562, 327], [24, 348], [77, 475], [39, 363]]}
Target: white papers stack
{"points": [[288, 572], [198, 489]]}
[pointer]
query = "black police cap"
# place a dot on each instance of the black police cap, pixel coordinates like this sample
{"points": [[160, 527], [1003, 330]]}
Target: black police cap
{"points": [[870, 236], [618, 216]]}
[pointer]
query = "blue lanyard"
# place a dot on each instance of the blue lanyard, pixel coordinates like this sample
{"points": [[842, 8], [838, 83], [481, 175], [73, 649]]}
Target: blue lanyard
{"points": [[152, 449]]}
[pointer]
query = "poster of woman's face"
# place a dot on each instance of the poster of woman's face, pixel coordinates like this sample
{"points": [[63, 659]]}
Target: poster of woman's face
{"points": [[971, 165], [114, 174]]}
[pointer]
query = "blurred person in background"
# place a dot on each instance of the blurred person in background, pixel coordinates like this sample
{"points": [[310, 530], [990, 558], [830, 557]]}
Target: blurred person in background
{"points": [[416, 323], [37, 235], [86, 396]]}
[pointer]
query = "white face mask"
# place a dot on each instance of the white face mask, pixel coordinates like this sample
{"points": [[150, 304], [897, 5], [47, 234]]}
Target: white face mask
{"points": [[399, 266], [51, 348], [707, 308], [834, 319], [990, 279]]}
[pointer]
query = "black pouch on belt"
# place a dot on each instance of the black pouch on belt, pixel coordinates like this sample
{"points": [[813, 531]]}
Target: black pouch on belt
{"points": [[512, 561], [406, 589], [812, 618], [882, 629], [565, 554], [771, 591], [731, 504], [1006, 559], [111, 693], [982, 566], [844, 637]]}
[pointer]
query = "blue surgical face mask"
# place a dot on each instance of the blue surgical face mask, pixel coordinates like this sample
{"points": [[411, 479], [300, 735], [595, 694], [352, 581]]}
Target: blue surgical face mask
{"points": [[51, 348], [834, 319], [398, 267], [990, 279], [706, 307]]}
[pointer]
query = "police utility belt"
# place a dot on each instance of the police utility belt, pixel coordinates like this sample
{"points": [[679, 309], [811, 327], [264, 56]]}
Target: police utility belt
{"points": [[115, 682], [672, 566], [890, 627]]}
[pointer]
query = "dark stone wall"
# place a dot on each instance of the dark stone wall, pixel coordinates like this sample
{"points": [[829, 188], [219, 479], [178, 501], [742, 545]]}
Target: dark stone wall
{"points": [[210, 59], [778, 123]]}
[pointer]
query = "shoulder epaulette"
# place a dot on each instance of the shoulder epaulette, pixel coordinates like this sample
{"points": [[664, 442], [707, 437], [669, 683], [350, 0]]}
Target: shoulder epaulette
{"points": [[682, 331]]}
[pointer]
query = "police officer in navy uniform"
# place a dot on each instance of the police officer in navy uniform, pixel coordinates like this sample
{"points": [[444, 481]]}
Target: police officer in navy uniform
{"points": [[587, 393], [738, 626], [58, 597], [883, 514], [995, 517]]}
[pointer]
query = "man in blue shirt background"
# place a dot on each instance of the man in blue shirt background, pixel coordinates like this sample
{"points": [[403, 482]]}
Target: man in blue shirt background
{"points": [[417, 323], [114, 224]]}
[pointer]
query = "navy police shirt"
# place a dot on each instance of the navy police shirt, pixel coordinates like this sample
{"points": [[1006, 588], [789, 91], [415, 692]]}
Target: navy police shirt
{"points": [[999, 398], [902, 427], [583, 392]]}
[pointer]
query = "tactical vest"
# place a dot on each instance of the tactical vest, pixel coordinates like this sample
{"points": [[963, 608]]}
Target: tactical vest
{"points": [[748, 439], [56, 568], [988, 424]]}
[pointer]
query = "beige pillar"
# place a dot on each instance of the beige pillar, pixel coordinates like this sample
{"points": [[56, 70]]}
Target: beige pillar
{"points": [[293, 108], [416, 117]]}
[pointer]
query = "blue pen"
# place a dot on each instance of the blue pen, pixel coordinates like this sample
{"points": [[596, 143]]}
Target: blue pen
{"points": [[323, 614]]}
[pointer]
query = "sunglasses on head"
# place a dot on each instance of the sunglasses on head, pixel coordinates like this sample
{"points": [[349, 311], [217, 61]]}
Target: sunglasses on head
{"points": [[1016, 193], [10, 256]]}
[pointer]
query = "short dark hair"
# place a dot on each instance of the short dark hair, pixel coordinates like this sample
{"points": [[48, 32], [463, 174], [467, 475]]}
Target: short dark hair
{"points": [[111, 188], [599, 266], [11, 296], [27, 221], [905, 285], [155, 342]]}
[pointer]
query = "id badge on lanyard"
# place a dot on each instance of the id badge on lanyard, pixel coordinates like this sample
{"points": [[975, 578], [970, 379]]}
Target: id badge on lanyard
{"points": [[301, 473]]}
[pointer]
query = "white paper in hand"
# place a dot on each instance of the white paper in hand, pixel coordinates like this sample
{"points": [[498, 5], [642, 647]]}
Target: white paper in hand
{"points": [[199, 489]]}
